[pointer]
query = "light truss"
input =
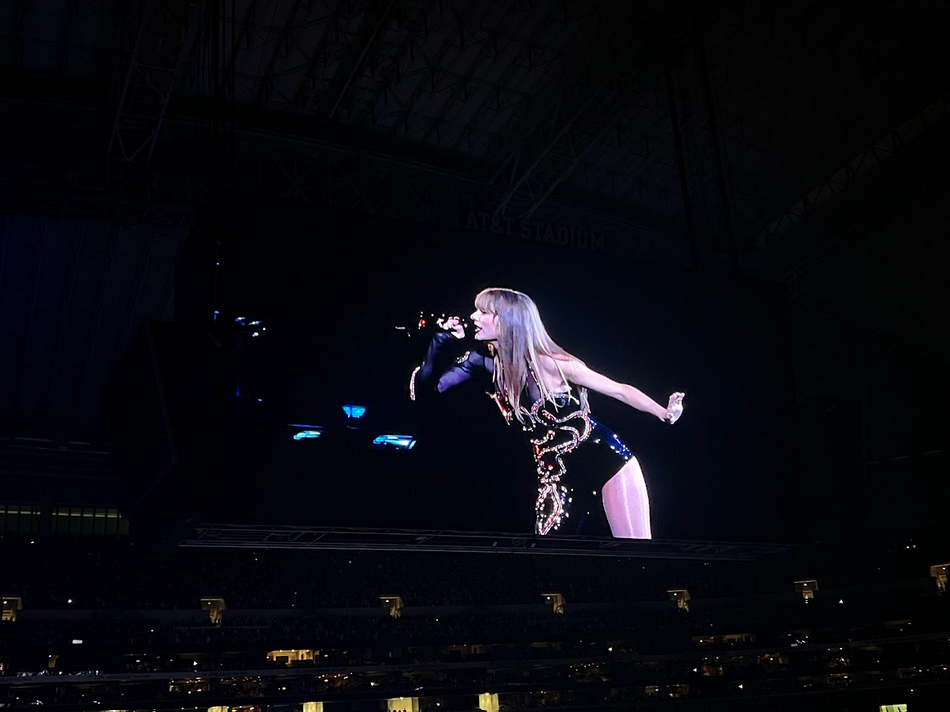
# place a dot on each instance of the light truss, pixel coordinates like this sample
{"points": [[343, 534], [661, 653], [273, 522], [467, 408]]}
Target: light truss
{"points": [[249, 536]]}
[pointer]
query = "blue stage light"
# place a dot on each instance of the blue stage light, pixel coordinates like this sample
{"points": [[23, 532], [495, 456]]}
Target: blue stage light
{"points": [[399, 442], [307, 434], [354, 411]]}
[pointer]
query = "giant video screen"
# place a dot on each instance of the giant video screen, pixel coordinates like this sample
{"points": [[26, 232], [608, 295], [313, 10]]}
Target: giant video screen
{"points": [[411, 377]]}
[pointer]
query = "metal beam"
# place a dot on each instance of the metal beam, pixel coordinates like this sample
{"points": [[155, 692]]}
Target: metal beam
{"points": [[490, 45], [321, 56], [321, 170], [680, 159], [20, 13], [583, 111], [165, 37], [62, 48], [353, 539], [431, 74], [374, 18], [576, 147], [714, 139], [265, 87], [527, 54], [86, 371], [21, 381], [243, 34], [61, 329], [889, 145], [413, 26]]}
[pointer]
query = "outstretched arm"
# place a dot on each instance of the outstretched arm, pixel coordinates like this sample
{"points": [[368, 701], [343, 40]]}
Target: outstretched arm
{"points": [[579, 373]]}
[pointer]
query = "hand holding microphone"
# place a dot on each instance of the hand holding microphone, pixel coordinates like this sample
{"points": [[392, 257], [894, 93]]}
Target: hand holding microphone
{"points": [[453, 325]]}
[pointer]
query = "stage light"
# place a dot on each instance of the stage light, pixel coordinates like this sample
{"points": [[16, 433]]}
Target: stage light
{"points": [[398, 442], [305, 431], [307, 435], [354, 411]]}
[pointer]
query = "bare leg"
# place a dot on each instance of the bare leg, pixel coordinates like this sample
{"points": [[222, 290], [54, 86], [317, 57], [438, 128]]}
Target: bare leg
{"points": [[627, 503]]}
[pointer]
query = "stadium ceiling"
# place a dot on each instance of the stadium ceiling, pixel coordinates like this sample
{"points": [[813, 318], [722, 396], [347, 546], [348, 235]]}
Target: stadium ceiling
{"points": [[535, 107], [703, 133]]}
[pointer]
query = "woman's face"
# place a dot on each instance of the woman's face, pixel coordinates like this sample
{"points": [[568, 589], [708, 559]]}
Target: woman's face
{"points": [[486, 325]]}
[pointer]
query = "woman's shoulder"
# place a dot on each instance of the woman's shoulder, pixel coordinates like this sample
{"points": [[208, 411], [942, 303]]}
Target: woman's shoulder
{"points": [[556, 361], [555, 369]]}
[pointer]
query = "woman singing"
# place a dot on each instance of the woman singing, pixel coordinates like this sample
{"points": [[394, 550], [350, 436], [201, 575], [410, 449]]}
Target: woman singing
{"points": [[533, 382]]}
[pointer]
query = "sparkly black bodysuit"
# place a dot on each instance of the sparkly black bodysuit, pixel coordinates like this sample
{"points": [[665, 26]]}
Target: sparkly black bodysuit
{"points": [[560, 430]]}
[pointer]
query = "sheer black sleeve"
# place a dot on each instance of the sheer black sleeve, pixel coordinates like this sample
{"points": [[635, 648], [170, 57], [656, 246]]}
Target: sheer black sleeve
{"points": [[448, 364]]}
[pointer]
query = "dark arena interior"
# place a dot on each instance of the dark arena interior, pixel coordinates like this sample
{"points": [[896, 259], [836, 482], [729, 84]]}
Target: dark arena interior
{"points": [[249, 461]]}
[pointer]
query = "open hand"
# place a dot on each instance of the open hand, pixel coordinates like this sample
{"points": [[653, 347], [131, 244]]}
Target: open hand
{"points": [[675, 408]]}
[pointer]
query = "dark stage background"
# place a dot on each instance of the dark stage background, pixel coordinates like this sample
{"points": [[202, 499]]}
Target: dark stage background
{"points": [[332, 288]]}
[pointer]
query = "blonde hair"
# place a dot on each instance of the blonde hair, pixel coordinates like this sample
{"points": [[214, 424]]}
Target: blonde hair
{"points": [[521, 339]]}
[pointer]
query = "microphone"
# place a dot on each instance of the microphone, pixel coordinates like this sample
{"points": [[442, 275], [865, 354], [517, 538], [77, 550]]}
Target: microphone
{"points": [[432, 319], [429, 321]]}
